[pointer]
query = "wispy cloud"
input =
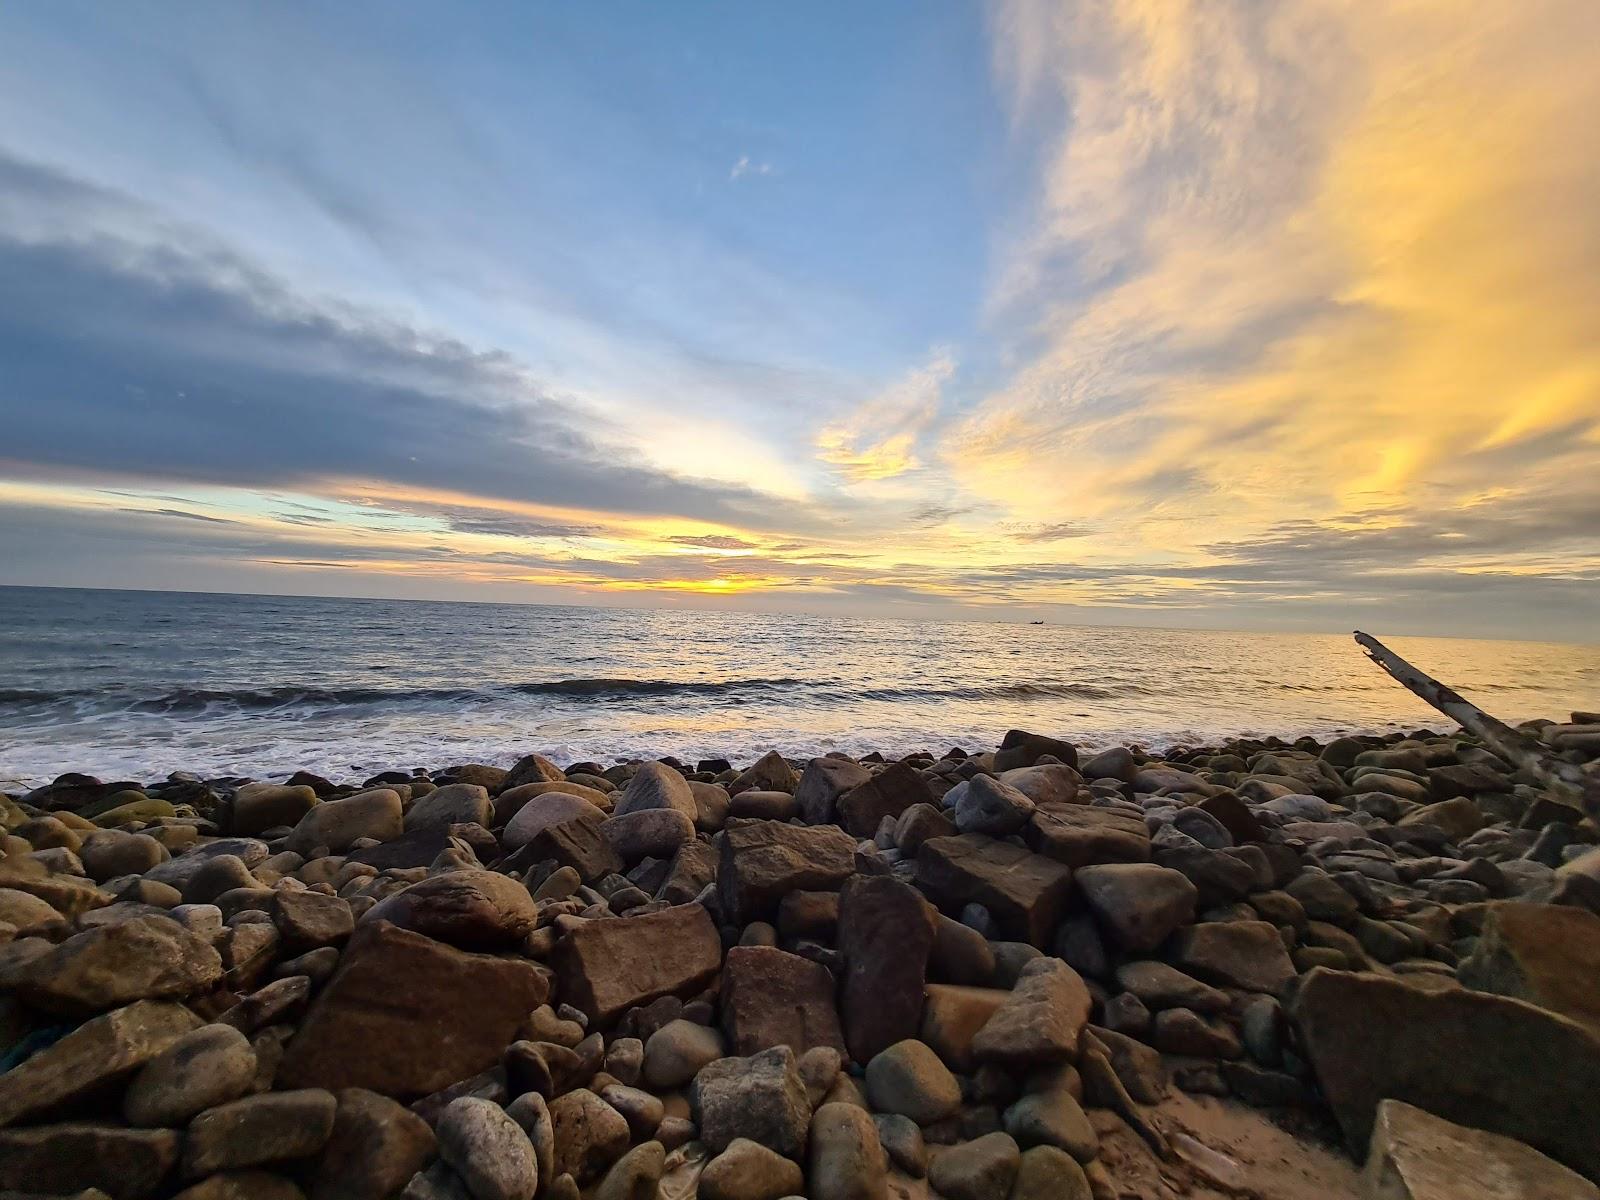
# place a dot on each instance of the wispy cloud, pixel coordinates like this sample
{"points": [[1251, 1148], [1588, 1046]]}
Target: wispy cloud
{"points": [[748, 166], [880, 439]]}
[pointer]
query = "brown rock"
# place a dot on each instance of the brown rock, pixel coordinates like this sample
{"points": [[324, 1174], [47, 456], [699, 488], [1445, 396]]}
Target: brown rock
{"points": [[1025, 892], [1480, 1060], [761, 861], [822, 783], [60, 1159], [272, 1127], [886, 932], [887, 794], [952, 1017], [473, 910], [405, 1015], [92, 1056], [308, 920], [146, 958], [1040, 1021], [574, 840], [1547, 954], [607, 967], [1079, 835], [1241, 954], [376, 1145], [772, 998]]}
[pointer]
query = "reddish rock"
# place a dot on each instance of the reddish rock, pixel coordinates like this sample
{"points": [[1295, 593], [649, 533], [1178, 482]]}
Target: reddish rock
{"points": [[1026, 893], [762, 861], [405, 1015], [773, 998], [887, 794], [1080, 835], [886, 932], [606, 967]]}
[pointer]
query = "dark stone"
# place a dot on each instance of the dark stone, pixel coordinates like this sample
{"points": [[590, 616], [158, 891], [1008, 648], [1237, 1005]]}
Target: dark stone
{"points": [[761, 861], [1025, 892], [886, 932], [887, 794], [772, 998], [607, 967]]}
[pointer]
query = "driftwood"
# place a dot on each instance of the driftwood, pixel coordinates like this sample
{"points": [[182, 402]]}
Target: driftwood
{"points": [[1568, 780]]}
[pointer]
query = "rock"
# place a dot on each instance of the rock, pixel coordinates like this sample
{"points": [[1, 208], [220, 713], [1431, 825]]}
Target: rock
{"points": [[1115, 763], [653, 786], [339, 824], [375, 1146], [531, 768], [886, 932], [1484, 1061], [761, 861], [258, 807], [364, 1031], [1161, 986], [889, 793], [546, 810], [770, 772], [310, 920], [565, 829], [112, 853], [1047, 1173], [243, 1185], [1182, 1031], [1415, 1155], [845, 1160], [1022, 749], [452, 804], [773, 998], [952, 1017], [28, 914], [1322, 898], [1137, 904], [1041, 1019], [200, 1070], [488, 1150], [608, 967], [983, 804], [1136, 1066], [636, 1175], [760, 1097], [821, 784], [1053, 1118], [982, 1169], [472, 910], [648, 833], [642, 1111], [1025, 892], [530, 1111], [909, 1079], [272, 1127], [747, 1170], [1241, 954], [1459, 818], [589, 1134], [142, 959], [91, 1057], [960, 954], [1546, 954], [1047, 783], [125, 1164], [674, 1054]]}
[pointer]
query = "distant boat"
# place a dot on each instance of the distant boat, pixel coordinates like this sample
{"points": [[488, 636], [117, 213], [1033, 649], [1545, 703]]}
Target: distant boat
{"points": [[1035, 622]]}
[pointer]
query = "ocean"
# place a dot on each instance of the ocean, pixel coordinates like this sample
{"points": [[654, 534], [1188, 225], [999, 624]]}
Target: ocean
{"points": [[133, 685]]}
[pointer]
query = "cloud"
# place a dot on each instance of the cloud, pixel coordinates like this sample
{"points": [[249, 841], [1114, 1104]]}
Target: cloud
{"points": [[178, 512], [745, 166], [879, 440], [138, 350], [712, 541], [1294, 262], [1053, 532]]}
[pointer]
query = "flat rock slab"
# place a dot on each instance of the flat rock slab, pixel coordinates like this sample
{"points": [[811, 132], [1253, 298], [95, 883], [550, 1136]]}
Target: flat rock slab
{"points": [[773, 998], [607, 967], [1241, 954], [146, 958], [1484, 1061], [762, 861], [127, 1164], [1547, 954], [405, 1015], [93, 1055], [1025, 892], [1080, 835], [1041, 1019], [1418, 1156]]}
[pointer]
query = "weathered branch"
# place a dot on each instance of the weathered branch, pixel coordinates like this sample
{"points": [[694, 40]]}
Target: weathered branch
{"points": [[1513, 745]]}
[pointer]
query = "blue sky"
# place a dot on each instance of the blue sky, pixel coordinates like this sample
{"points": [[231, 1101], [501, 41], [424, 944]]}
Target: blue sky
{"points": [[1112, 310]]}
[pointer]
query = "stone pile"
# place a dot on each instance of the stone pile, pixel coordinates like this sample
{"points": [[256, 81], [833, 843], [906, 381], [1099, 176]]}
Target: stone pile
{"points": [[834, 979]]}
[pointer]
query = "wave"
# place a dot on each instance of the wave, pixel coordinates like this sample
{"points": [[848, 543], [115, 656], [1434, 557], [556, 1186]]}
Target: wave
{"points": [[215, 701]]}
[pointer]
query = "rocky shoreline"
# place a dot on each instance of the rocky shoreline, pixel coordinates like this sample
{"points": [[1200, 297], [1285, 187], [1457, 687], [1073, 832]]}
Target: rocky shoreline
{"points": [[977, 976]]}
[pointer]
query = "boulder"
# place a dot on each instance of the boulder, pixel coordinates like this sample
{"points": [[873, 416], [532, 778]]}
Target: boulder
{"points": [[1041, 1019], [1415, 1155], [761, 1098], [761, 861], [607, 967], [1241, 954], [845, 1159], [821, 784], [258, 807], [146, 958], [1547, 954], [309, 920], [656, 785], [1137, 904], [1022, 749], [886, 933], [889, 793], [272, 1127], [589, 1135], [648, 833], [574, 840], [544, 811], [472, 910], [983, 804], [1049, 1173], [909, 1079], [1025, 892], [952, 1017], [982, 1169], [178, 871], [531, 768], [211, 1066], [1485, 1061], [365, 1030], [771, 773], [488, 1150], [125, 1164], [91, 1058], [376, 1145], [747, 1170], [1047, 783], [452, 804], [339, 824], [773, 998], [674, 1054]]}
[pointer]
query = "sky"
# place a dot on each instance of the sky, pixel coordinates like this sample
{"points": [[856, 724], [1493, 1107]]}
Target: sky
{"points": [[1210, 313]]}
